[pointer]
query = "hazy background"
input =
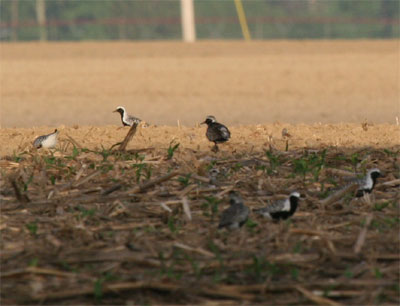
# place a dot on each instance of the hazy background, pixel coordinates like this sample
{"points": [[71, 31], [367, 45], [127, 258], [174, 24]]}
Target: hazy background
{"points": [[215, 19], [73, 62]]}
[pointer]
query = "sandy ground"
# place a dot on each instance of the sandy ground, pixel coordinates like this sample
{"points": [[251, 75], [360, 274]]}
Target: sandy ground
{"points": [[75, 87], [251, 138], [55, 84]]}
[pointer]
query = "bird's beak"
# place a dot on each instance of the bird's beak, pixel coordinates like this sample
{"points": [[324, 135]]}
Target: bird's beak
{"points": [[203, 122], [114, 111]]}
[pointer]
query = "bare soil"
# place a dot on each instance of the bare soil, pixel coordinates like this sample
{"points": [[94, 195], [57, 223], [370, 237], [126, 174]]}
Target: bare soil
{"points": [[247, 138], [54, 84]]}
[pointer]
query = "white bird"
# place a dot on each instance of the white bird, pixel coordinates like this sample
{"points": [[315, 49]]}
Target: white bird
{"points": [[235, 215], [46, 141], [367, 183], [127, 120], [281, 209]]}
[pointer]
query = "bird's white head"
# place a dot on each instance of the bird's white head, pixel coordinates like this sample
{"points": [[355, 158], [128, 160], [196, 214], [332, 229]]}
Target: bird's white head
{"points": [[370, 171], [295, 194], [209, 120], [374, 173]]}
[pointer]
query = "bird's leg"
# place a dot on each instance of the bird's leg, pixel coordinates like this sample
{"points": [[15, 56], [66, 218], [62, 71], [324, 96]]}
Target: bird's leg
{"points": [[215, 148]]}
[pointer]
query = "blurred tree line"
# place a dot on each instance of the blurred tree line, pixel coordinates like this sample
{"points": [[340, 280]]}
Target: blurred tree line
{"points": [[215, 19]]}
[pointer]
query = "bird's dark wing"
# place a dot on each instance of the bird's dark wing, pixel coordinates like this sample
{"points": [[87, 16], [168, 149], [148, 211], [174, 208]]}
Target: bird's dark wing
{"points": [[133, 119], [225, 133], [38, 141], [234, 214], [218, 132], [280, 205]]}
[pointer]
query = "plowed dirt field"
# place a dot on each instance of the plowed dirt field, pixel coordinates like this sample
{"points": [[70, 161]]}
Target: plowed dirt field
{"points": [[54, 84], [86, 223]]}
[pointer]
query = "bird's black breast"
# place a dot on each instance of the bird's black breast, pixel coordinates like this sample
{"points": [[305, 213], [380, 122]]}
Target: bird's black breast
{"points": [[294, 201], [284, 214], [281, 215], [360, 192]]}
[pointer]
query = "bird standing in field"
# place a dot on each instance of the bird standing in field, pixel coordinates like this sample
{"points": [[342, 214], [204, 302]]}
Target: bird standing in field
{"points": [[213, 175], [46, 141], [281, 209], [363, 187], [367, 183], [127, 120], [216, 132], [235, 215]]}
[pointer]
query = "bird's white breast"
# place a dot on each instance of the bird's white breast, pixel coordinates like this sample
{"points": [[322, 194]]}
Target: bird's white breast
{"points": [[286, 205], [50, 141], [368, 182]]}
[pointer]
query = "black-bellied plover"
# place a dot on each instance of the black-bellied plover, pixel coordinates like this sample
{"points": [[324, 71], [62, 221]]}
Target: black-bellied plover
{"points": [[127, 120], [281, 209], [46, 141], [216, 132], [367, 183], [235, 215]]}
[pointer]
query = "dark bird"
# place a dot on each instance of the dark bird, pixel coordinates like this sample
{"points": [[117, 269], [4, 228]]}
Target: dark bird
{"points": [[127, 120], [281, 209], [46, 141], [235, 215], [367, 183], [216, 132]]}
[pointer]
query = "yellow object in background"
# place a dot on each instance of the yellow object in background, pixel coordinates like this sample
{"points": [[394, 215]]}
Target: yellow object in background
{"points": [[242, 19]]}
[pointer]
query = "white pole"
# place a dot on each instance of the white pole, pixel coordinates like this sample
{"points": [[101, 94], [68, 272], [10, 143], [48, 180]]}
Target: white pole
{"points": [[41, 19], [187, 18]]}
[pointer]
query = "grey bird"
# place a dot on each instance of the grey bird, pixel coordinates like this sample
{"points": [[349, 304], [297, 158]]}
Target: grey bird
{"points": [[216, 132], [285, 133], [235, 215], [281, 209], [367, 183], [213, 175], [127, 120], [46, 141]]}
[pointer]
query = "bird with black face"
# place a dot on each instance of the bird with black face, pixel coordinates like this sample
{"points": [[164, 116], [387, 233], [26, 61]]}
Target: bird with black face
{"points": [[281, 209], [367, 183], [127, 120], [216, 132], [235, 215]]}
